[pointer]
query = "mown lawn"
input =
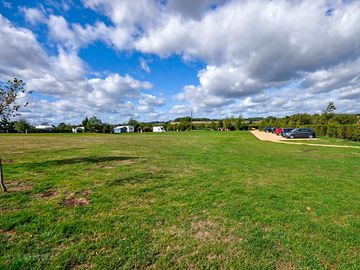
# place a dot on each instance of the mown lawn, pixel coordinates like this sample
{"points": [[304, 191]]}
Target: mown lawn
{"points": [[328, 141], [193, 200]]}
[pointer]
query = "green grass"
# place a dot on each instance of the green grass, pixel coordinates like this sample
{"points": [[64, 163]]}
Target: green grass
{"points": [[192, 200], [329, 141]]}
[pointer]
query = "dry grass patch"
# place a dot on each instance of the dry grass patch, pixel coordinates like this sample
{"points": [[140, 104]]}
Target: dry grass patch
{"points": [[79, 198], [15, 186]]}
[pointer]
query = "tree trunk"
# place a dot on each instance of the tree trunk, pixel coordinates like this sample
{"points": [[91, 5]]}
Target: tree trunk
{"points": [[2, 177]]}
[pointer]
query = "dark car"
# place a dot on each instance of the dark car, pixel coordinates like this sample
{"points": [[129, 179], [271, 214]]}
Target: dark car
{"points": [[268, 129], [285, 131], [300, 133]]}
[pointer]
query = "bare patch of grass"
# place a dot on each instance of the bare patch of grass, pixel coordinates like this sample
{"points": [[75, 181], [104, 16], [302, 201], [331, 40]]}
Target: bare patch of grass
{"points": [[284, 265], [15, 186], [48, 194], [79, 198]]}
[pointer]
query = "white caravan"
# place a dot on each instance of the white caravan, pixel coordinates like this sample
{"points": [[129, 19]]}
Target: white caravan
{"points": [[158, 129], [124, 129]]}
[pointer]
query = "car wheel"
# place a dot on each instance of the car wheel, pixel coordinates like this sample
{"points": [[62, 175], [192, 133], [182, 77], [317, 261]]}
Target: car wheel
{"points": [[311, 136], [291, 137]]}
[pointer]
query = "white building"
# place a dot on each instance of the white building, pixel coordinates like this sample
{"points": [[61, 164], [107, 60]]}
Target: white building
{"points": [[44, 127], [158, 129], [123, 129], [78, 129]]}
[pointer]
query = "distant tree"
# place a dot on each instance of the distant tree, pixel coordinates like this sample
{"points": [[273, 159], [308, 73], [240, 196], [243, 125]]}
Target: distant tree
{"points": [[85, 121], [10, 94], [106, 128], [228, 125], [241, 124], [330, 108], [220, 125], [94, 124], [63, 128], [328, 113], [22, 126], [134, 123], [185, 123]]}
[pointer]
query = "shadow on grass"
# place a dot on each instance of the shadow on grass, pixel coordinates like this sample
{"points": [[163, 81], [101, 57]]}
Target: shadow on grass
{"points": [[137, 178], [71, 161]]}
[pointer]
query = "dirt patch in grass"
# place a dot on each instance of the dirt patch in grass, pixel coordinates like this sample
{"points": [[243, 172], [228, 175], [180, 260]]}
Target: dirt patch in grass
{"points": [[209, 230], [48, 194], [102, 166], [15, 186], [283, 265], [9, 233], [79, 198]]}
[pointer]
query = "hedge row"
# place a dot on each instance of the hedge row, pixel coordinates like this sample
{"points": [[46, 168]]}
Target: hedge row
{"points": [[346, 132]]}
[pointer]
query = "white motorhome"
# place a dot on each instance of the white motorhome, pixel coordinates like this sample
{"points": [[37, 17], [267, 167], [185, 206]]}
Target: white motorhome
{"points": [[158, 129], [124, 129], [78, 129], [44, 127]]}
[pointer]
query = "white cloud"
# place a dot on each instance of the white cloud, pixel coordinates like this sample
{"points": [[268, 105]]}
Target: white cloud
{"points": [[253, 51], [33, 15], [144, 65], [63, 79]]}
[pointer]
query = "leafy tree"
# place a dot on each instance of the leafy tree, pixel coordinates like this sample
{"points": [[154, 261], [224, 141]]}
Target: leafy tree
{"points": [[241, 124], [10, 93], [185, 123], [330, 108], [328, 113], [94, 124], [220, 124], [134, 123], [63, 128], [106, 128], [22, 126], [85, 121], [228, 124]]}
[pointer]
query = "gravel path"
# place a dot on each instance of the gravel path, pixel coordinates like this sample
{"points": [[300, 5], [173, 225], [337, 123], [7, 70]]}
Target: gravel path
{"points": [[263, 136]]}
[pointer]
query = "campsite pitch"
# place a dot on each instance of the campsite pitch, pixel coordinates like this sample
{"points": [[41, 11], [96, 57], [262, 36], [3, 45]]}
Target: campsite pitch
{"points": [[191, 200]]}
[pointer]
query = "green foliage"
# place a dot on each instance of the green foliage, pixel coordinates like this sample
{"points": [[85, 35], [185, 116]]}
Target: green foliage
{"points": [[342, 126], [85, 121], [134, 123], [22, 126], [184, 124], [94, 124], [242, 124], [9, 93], [63, 128]]}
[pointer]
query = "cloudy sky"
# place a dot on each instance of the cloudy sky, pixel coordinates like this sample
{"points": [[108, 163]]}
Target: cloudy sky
{"points": [[157, 59]]}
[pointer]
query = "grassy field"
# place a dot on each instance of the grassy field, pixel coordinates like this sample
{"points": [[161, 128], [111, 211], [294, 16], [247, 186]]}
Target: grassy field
{"points": [[328, 141], [193, 200]]}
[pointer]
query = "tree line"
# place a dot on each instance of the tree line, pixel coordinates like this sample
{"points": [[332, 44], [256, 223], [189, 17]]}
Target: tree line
{"points": [[328, 123]]}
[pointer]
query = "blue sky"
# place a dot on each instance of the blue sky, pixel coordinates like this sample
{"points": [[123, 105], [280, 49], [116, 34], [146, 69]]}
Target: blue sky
{"points": [[157, 60]]}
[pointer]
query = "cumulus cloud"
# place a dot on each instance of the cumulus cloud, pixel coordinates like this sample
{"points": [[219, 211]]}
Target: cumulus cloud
{"points": [[63, 79], [74, 36], [260, 56], [33, 15]]}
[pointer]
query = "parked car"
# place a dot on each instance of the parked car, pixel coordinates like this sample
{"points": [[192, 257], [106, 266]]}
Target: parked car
{"points": [[278, 131], [301, 133], [268, 129], [285, 131]]}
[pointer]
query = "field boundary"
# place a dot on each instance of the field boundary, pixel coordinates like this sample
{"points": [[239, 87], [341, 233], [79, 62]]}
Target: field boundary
{"points": [[263, 136]]}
